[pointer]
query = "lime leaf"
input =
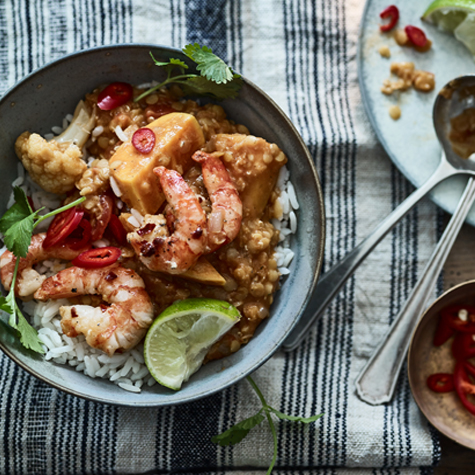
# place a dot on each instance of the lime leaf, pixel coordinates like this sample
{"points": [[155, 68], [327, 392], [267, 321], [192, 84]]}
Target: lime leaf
{"points": [[305, 420], [180, 337], [212, 67], [236, 433]]}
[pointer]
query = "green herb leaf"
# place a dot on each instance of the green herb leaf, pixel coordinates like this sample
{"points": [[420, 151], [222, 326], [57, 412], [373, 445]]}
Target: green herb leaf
{"points": [[237, 432], [216, 78], [171, 64], [17, 224], [21, 209], [18, 236], [212, 67], [203, 87], [305, 420], [28, 335], [171, 61]]}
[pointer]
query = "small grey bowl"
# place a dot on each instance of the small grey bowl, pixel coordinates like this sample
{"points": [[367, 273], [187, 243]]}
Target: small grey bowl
{"points": [[45, 97]]}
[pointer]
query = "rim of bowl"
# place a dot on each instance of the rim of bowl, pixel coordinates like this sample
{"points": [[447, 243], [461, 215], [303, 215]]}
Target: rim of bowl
{"points": [[319, 205]]}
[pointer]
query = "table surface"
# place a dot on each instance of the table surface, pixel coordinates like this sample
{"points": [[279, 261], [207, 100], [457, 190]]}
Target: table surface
{"points": [[460, 267]]}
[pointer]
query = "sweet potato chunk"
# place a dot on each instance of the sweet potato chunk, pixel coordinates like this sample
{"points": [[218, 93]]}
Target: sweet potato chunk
{"points": [[177, 137], [253, 165]]}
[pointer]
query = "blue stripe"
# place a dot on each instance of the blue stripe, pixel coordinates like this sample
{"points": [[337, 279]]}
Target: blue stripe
{"points": [[206, 25]]}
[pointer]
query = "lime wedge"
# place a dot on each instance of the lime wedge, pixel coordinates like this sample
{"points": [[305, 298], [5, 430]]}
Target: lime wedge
{"points": [[454, 16], [181, 335]]}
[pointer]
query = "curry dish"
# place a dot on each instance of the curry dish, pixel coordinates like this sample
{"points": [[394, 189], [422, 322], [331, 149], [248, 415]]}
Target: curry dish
{"points": [[196, 209]]}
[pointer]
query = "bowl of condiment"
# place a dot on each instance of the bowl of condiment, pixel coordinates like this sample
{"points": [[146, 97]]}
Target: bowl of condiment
{"points": [[441, 363], [267, 269]]}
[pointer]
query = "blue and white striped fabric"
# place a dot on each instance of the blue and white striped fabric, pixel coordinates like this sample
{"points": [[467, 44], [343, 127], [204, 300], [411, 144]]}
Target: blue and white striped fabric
{"points": [[303, 54]]}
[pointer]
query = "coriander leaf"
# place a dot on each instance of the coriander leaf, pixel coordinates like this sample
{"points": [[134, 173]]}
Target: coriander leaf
{"points": [[173, 61], [17, 238], [170, 64], [6, 305], [21, 209], [212, 67], [237, 432], [202, 86], [305, 420], [28, 335]]}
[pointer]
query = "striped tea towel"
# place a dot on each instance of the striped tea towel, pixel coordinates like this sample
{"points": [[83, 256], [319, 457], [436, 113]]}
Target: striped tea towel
{"points": [[302, 53]]}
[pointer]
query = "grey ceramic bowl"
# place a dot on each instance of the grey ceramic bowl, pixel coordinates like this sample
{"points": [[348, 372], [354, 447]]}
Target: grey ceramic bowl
{"points": [[42, 99]]}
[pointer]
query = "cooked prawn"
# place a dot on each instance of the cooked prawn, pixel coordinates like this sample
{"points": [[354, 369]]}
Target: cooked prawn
{"points": [[119, 326], [224, 221], [28, 280], [173, 252]]}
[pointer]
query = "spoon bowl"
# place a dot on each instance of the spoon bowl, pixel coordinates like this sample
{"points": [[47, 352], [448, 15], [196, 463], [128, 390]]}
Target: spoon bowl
{"points": [[456, 96]]}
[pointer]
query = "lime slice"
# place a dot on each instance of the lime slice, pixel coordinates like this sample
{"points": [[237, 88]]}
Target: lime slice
{"points": [[454, 16], [181, 335]]}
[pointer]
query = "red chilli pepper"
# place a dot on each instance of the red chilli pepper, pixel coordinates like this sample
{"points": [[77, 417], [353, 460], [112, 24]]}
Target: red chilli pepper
{"points": [[144, 140], [451, 315], [416, 36], [462, 383], [392, 13], [80, 237], [95, 258], [444, 331], [118, 230], [441, 382], [463, 346], [62, 226], [470, 368], [114, 95]]}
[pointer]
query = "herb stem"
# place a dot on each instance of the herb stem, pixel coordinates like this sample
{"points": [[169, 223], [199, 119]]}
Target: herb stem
{"points": [[59, 210], [269, 419], [164, 83], [15, 272]]}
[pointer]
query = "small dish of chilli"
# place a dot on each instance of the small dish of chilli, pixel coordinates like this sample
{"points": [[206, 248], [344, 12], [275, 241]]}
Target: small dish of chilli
{"points": [[441, 364]]}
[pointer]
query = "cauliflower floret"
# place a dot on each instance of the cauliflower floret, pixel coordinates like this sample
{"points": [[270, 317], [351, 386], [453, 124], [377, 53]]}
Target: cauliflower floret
{"points": [[55, 167]]}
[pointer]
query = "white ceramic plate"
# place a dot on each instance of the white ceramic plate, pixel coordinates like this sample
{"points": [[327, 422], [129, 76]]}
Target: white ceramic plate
{"points": [[410, 142]]}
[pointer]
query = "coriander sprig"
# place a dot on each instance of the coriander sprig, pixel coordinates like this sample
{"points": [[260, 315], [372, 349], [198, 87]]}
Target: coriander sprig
{"points": [[17, 226], [216, 78], [237, 432]]}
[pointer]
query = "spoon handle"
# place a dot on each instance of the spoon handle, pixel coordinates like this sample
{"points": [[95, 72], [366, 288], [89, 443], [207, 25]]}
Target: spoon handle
{"points": [[376, 383], [331, 282]]}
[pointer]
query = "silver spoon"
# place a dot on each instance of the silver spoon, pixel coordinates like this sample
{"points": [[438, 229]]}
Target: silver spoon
{"points": [[449, 103], [377, 381]]}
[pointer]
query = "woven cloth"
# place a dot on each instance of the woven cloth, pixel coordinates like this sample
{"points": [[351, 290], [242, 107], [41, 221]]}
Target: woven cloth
{"points": [[303, 54]]}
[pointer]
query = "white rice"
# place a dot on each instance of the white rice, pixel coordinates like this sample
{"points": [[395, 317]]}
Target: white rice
{"points": [[127, 370], [120, 134], [287, 224], [115, 187]]}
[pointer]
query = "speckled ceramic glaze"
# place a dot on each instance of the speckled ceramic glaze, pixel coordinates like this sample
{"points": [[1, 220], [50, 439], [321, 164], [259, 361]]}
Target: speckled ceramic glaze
{"points": [[42, 100], [410, 141]]}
